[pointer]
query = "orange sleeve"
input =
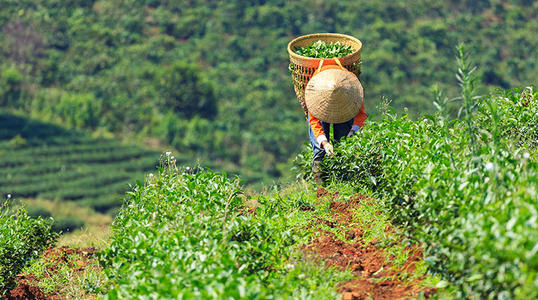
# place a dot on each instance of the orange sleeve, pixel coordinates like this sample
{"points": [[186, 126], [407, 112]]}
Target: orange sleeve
{"points": [[360, 117], [315, 124]]}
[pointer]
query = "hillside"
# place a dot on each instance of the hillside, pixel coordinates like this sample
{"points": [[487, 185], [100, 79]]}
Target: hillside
{"points": [[432, 207], [210, 79], [165, 139], [41, 160]]}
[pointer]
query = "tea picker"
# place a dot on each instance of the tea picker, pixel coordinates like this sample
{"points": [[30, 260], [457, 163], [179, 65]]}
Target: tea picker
{"points": [[330, 93]]}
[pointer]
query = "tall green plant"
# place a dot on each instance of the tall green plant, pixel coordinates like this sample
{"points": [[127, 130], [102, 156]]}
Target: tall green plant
{"points": [[467, 80]]}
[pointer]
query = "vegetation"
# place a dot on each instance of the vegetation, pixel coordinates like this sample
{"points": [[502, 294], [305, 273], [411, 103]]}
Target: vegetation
{"points": [[22, 239], [53, 163], [463, 188], [91, 228], [209, 77], [72, 273], [320, 49], [195, 234], [455, 177], [185, 236]]}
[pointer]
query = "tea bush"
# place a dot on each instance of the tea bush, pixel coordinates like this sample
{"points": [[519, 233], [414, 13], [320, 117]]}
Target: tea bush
{"points": [[464, 188], [22, 239], [189, 236]]}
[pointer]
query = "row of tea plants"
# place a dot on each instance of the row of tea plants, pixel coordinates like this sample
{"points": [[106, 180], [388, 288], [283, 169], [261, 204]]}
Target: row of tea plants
{"points": [[464, 188], [189, 234], [47, 161]]}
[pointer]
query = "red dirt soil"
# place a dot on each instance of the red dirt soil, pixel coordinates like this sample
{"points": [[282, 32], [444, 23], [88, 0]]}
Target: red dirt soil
{"points": [[367, 262], [27, 285]]}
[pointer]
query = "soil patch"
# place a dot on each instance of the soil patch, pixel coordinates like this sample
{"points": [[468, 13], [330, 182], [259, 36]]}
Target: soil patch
{"points": [[367, 262], [26, 288], [53, 259]]}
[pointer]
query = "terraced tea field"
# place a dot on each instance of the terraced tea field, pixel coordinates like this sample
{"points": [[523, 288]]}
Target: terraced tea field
{"points": [[46, 161]]}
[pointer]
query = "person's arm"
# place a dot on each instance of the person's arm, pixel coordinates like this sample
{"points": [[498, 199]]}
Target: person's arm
{"points": [[358, 121], [321, 138], [317, 129]]}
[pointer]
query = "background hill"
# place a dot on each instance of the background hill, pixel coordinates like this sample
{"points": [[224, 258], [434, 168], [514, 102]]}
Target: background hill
{"points": [[210, 77], [49, 162]]}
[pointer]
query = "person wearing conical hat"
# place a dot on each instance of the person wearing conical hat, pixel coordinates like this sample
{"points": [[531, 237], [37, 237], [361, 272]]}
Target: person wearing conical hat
{"points": [[332, 96]]}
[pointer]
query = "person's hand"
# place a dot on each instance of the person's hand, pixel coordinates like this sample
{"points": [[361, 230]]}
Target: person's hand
{"points": [[328, 148], [354, 129]]}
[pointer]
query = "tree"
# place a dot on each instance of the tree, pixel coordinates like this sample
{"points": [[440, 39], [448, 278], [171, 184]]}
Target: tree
{"points": [[10, 86], [186, 91]]}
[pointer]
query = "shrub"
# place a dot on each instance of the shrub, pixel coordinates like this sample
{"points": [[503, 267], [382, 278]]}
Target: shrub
{"points": [[22, 239], [38, 212], [188, 236]]}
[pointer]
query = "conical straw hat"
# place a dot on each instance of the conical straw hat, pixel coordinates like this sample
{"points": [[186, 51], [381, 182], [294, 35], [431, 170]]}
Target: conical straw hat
{"points": [[334, 96]]}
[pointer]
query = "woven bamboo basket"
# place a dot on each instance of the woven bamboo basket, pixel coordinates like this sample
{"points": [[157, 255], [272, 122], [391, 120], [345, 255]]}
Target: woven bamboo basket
{"points": [[303, 68]]}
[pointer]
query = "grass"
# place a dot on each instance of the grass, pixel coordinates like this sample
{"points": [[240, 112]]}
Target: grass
{"points": [[74, 276], [371, 219], [96, 230]]}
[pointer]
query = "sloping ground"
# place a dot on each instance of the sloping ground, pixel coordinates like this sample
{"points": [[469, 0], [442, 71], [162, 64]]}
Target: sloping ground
{"points": [[465, 189], [374, 276], [62, 273], [197, 236], [46, 161]]}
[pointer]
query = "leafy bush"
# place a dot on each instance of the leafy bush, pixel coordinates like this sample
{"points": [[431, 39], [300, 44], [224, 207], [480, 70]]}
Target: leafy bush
{"points": [[465, 188], [188, 236], [10, 85], [22, 239]]}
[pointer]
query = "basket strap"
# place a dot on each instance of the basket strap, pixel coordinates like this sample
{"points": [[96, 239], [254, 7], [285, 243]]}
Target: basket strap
{"points": [[321, 65], [339, 64]]}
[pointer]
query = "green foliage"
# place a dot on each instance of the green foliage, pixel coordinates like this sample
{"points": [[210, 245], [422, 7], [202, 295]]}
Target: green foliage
{"points": [[464, 188], [320, 49], [79, 110], [10, 86], [188, 235], [22, 239], [38, 212], [185, 92], [53, 163], [129, 56]]}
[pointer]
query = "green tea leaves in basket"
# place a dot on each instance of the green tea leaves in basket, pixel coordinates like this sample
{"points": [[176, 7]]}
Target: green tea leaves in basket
{"points": [[320, 49]]}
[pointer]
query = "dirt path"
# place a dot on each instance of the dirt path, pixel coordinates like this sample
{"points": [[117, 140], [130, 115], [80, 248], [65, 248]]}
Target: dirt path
{"points": [[367, 262], [54, 258]]}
